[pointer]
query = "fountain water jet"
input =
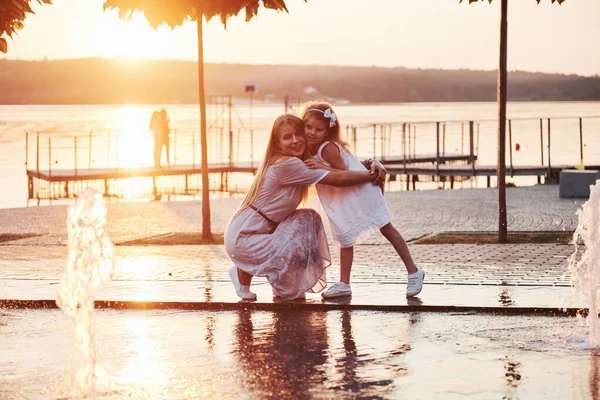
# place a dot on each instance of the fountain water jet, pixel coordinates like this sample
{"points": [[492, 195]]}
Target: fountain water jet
{"points": [[90, 264], [584, 264]]}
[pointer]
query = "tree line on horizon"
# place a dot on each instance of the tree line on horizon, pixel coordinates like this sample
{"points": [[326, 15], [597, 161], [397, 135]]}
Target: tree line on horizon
{"points": [[119, 81]]}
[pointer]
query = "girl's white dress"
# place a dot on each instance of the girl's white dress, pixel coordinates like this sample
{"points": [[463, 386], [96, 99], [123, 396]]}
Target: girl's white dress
{"points": [[354, 212], [292, 253]]}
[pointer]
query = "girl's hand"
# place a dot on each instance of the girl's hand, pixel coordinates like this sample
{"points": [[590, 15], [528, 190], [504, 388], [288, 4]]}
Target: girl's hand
{"points": [[379, 172], [314, 164]]}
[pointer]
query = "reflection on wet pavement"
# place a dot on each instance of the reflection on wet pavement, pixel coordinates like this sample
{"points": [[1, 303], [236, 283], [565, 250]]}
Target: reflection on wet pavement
{"points": [[304, 354]]}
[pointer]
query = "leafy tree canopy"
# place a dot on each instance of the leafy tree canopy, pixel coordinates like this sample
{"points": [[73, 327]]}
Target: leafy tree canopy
{"points": [[12, 15], [174, 12]]}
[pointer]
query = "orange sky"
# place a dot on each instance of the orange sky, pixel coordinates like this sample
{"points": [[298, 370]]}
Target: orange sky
{"points": [[419, 33]]}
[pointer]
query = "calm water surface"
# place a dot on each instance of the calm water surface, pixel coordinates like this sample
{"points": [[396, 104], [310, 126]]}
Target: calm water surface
{"points": [[119, 135]]}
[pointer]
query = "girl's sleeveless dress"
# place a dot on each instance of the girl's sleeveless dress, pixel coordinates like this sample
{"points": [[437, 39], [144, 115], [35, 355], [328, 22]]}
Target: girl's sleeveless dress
{"points": [[293, 254], [354, 212]]}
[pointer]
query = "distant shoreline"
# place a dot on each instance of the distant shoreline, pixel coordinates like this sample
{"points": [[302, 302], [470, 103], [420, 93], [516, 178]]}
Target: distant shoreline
{"points": [[96, 81]]}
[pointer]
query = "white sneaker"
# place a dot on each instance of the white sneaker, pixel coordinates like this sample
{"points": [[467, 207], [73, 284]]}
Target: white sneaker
{"points": [[415, 283], [241, 290], [339, 289]]}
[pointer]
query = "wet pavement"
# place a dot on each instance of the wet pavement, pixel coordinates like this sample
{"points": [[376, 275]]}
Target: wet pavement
{"points": [[301, 355], [493, 321]]}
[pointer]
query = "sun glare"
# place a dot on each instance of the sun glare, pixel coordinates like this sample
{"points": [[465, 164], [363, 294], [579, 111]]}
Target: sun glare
{"points": [[136, 39], [135, 139]]}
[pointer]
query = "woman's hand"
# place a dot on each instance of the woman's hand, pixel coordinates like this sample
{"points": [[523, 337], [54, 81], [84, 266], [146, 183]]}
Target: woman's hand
{"points": [[379, 172], [314, 164]]}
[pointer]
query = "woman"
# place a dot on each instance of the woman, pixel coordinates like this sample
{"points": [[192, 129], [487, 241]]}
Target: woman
{"points": [[269, 236]]}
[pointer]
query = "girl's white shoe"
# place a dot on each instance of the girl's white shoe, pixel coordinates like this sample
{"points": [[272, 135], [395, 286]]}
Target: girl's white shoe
{"points": [[415, 283], [339, 289]]}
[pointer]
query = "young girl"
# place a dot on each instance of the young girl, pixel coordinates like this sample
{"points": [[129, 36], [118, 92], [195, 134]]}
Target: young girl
{"points": [[353, 212]]}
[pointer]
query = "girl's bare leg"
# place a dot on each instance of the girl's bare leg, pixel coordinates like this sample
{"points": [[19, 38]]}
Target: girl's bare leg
{"points": [[346, 259], [396, 239]]}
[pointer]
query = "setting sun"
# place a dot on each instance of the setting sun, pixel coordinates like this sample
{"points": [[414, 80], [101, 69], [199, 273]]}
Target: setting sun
{"points": [[136, 38]]}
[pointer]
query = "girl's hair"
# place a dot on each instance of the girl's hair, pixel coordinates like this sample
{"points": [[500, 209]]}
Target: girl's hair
{"points": [[272, 154], [334, 132]]}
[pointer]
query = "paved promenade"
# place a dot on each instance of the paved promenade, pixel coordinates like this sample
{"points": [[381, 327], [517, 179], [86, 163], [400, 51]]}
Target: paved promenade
{"points": [[508, 277]]}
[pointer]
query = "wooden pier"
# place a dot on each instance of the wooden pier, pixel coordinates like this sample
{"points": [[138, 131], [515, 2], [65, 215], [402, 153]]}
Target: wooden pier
{"points": [[62, 183], [452, 173], [232, 166]]}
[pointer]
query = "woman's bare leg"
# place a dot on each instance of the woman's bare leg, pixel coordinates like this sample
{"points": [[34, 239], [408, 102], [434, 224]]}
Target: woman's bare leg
{"points": [[244, 277], [396, 239]]}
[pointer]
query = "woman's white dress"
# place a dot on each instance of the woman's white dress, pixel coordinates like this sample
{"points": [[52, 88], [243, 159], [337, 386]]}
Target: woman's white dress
{"points": [[354, 212], [293, 254]]}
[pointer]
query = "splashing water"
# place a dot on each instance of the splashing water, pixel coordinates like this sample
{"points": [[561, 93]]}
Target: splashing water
{"points": [[584, 263], [90, 264]]}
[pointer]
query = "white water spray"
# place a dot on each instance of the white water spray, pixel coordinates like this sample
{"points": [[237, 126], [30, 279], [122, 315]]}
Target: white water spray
{"points": [[90, 264], [584, 264]]}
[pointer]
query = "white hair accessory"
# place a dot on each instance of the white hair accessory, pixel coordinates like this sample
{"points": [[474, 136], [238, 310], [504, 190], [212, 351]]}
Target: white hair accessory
{"points": [[327, 114]]}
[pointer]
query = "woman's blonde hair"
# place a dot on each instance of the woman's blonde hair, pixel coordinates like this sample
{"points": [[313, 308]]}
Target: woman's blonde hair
{"points": [[333, 132], [272, 153]]}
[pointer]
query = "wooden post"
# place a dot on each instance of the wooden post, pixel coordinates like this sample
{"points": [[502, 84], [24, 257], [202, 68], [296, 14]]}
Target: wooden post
{"points": [[502, 96], [354, 135], [510, 146], [90, 152], [437, 145], [444, 139], [404, 145], [230, 147], [415, 142], [471, 147], [549, 162], [581, 141], [542, 141], [49, 156], [409, 141]]}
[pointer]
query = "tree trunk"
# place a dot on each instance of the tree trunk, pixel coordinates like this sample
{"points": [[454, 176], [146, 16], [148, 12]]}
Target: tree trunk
{"points": [[502, 93], [206, 233]]}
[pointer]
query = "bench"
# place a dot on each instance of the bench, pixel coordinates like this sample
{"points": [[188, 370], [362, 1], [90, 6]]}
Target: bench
{"points": [[576, 183]]}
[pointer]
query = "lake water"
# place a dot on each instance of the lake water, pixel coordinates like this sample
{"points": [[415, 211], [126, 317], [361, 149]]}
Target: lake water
{"points": [[96, 136]]}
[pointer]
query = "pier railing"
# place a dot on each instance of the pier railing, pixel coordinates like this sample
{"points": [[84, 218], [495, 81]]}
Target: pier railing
{"points": [[539, 142]]}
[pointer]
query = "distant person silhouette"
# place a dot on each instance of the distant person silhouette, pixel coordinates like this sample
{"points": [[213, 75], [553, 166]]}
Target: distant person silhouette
{"points": [[159, 125], [156, 129], [165, 131]]}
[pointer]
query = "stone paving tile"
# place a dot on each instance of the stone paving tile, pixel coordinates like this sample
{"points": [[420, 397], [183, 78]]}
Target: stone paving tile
{"points": [[364, 294], [445, 264], [40, 261], [534, 208]]}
